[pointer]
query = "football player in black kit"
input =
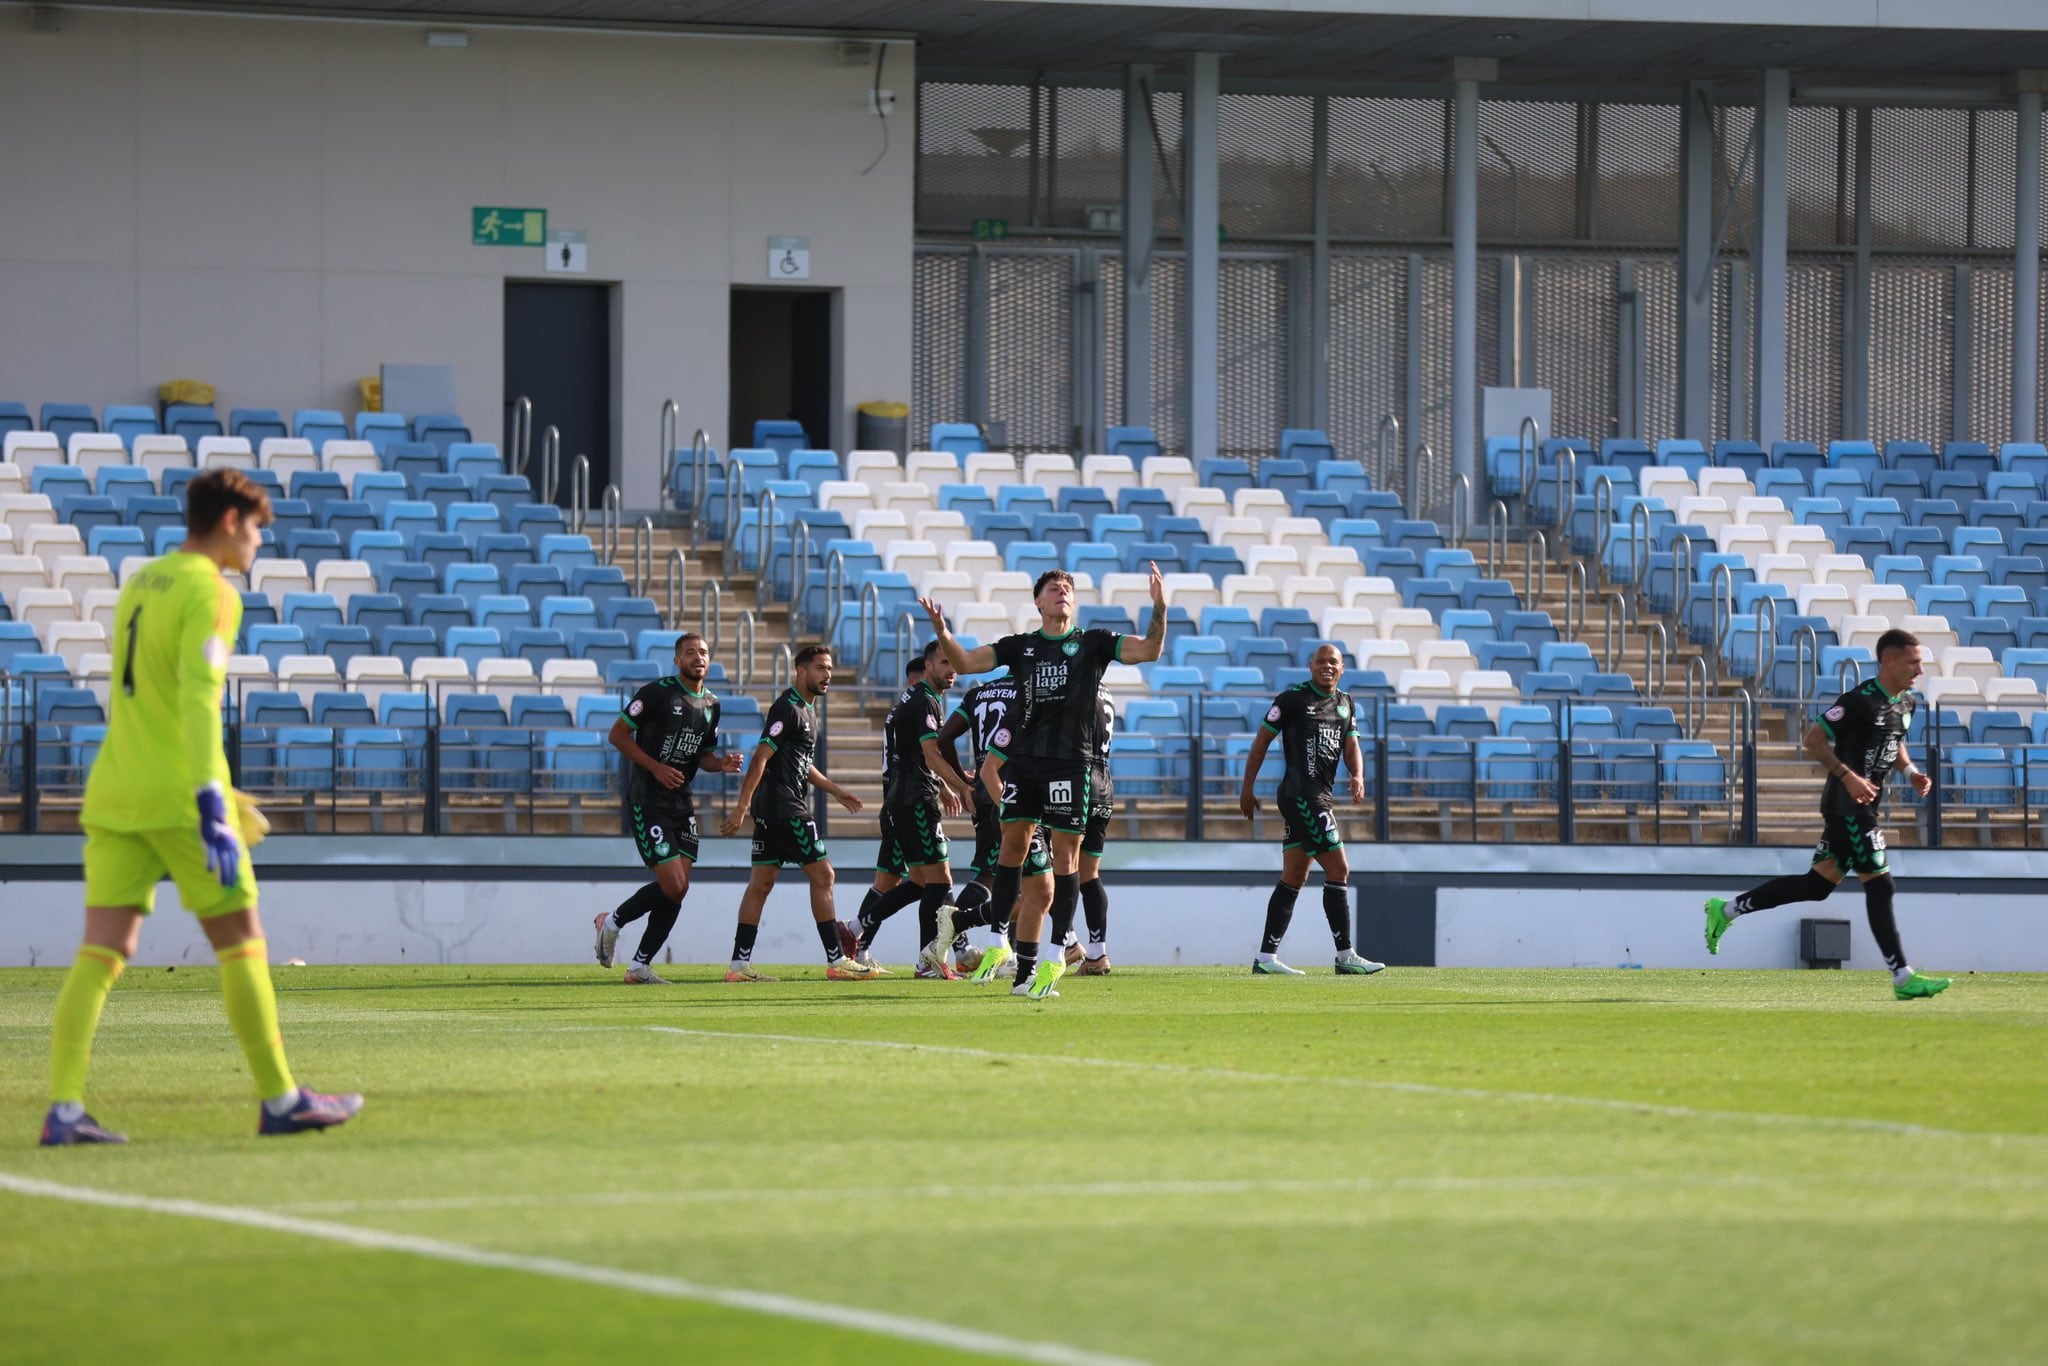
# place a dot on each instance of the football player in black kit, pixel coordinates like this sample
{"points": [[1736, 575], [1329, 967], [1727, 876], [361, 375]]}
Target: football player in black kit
{"points": [[776, 793], [1859, 741], [1317, 725], [991, 705], [669, 732], [1047, 761]]}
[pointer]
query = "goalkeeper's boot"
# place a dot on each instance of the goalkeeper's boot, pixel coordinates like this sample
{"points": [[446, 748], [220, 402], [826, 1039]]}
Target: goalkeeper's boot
{"points": [[607, 938], [1273, 967], [850, 970], [314, 1111], [1718, 921], [1352, 963], [745, 973], [1919, 985], [62, 1133], [999, 956], [1040, 987], [643, 975]]}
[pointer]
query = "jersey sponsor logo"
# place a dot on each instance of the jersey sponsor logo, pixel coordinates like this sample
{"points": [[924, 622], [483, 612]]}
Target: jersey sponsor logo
{"points": [[1060, 793], [1000, 738], [216, 652], [635, 707], [1273, 713], [775, 729], [1833, 713]]}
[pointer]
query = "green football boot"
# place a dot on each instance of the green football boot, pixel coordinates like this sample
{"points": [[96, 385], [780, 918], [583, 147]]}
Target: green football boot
{"points": [[1919, 985], [1718, 921], [994, 961]]}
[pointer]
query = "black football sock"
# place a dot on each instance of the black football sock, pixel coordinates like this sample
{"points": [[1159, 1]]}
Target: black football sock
{"points": [[1003, 900], [1782, 891], [1877, 905], [895, 899], [1095, 910], [1337, 910], [1027, 961], [828, 935], [867, 905], [659, 923], [935, 894], [646, 899], [1279, 911], [1066, 895], [743, 942], [972, 897]]}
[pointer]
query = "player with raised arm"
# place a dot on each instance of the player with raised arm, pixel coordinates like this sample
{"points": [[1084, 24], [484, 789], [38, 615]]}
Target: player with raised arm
{"points": [[990, 706], [1046, 762], [158, 803], [776, 793], [1317, 725], [921, 790], [669, 732], [1859, 740], [1093, 961]]}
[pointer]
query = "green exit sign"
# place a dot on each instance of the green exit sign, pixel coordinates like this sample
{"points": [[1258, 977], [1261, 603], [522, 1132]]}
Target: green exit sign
{"points": [[495, 227], [991, 229]]}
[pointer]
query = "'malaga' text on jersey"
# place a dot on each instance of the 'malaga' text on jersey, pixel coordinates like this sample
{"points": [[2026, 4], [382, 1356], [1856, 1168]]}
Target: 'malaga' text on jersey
{"points": [[673, 726], [1313, 726], [1867, 726], [1059, 678]]}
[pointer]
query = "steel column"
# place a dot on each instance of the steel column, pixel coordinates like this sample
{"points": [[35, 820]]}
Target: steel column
{"points": [[1138, 230], [2026, 272], [1856, 336], [1696, 254], [1768, 356], [1464, 278], [1199, 232], [1318, 412], [1959, 400]]}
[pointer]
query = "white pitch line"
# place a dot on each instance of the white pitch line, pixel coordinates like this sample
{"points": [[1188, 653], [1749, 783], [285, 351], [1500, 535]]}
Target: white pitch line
{"points": [[612, 1278], [1418, 1088]]}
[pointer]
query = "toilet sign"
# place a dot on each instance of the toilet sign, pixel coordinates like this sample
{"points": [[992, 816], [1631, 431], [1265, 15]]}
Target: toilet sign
{"points": [[568, 253], [789, 258]]}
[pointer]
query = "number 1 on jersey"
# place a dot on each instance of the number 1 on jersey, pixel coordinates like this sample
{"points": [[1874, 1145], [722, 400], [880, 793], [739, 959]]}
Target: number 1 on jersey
{"points": [[128, 659]]}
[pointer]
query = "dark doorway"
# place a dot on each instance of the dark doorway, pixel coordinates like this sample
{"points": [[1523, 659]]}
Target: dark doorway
{"points": [[558, 352], [781, 362]]}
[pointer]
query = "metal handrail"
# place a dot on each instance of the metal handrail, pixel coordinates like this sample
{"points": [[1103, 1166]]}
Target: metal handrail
{"points": [[733, 486], [520, 446], [608, 517], [1567, 482], [579, 494], [1722, 574], [870, 623], [711, 615], [1574, 599], [1766, 644], [1849, 672], [1536, 564], [670, 416], [550, 463], [906, 637], [1657, 666], [1613, 638], [1806, 664], [1496, 530], [1681, 576], [1638, 547], [700, 482], [799, 570], [781, 668], [1461, 508], [1421, 465], [1696, 684], [1529, 437], [764, 541], [643, 554], [743, 649], [1382, 457], [1748, 709], [1603, 520], [835, 593], [678, 587]]}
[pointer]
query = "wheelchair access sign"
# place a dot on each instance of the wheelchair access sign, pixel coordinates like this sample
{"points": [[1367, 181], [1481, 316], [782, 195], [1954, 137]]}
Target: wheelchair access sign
{"points": [[789, 258]]}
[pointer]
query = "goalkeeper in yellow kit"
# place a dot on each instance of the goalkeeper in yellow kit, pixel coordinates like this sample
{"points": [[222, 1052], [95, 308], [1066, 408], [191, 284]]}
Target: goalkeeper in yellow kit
{"points": [[158, 804]]}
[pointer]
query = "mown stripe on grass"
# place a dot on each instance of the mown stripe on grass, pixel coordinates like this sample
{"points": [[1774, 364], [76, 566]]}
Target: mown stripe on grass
{"points": [[615, 1278], [1853, 1123]]}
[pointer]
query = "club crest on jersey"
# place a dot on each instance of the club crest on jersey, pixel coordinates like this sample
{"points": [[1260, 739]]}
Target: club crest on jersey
{"points": [[1343, 711], [1071, 647]]}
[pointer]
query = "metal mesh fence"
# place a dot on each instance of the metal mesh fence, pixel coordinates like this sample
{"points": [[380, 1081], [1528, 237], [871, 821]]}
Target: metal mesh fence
{"points": [[1813, 333], [1637, 193], [1086, 169], [1253, 352], [1990, 353], [1816, 205], [1912, 351], [1386, 168], [1577, 330], [1733, 125], [1657, 286], [1997, 166], [1266, 170], [1031, 347], [1528, 171], [1920, 177], [1724, 347], [1169, 354], [1368, 352], [975, 155], [938, 355], [1437, 358]]}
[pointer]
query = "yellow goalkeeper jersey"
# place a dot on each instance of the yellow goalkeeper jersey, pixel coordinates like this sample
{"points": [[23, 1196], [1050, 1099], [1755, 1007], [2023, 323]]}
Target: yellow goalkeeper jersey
{"points": [[173, 631]]}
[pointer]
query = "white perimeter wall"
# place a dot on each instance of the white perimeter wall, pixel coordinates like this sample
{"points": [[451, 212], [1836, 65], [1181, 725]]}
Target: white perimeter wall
{"points": [[279, 207], [1601, 925]]}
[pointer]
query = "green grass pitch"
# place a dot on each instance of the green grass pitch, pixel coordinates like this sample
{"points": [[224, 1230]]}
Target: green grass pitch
{"points": [[1165, 1165]]}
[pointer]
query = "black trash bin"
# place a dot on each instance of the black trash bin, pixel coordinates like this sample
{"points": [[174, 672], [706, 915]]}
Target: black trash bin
{"points": [[882, 427]]}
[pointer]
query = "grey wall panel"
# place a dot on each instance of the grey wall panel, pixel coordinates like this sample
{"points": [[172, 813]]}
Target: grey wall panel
{"points": [[1657, 283], [1912, 351]]}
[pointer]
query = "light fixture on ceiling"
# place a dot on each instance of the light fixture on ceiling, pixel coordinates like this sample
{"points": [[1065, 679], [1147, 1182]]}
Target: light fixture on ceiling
{"points": [[1505, 37], [447, 37]]}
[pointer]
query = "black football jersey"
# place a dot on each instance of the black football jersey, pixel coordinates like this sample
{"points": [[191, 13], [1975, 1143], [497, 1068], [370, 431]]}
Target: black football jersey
{"points": [[676, 727]]}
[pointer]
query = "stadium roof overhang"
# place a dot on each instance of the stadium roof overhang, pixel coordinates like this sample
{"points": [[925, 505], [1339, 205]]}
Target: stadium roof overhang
{"points": [[1949, 51]]}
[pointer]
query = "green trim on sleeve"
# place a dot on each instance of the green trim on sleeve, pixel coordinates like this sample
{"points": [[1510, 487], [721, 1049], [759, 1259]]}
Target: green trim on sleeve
{"points": [[1269, 727], [1822, 722]]}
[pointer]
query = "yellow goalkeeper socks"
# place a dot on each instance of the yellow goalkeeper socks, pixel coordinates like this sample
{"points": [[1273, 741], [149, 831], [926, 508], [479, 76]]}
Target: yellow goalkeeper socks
{"points": [[79, 1004], [252, 1013]]}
